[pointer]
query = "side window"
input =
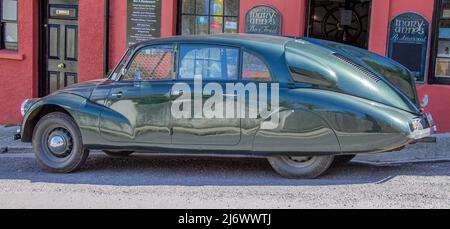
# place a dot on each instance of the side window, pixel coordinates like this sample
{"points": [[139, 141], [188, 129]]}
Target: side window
{"points": [[151, 63], [208, 62], [117, 72], [254, 68]]}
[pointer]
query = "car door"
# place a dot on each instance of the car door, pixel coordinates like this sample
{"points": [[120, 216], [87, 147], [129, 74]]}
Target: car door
{"points": [[139, 103], [200, 69]]}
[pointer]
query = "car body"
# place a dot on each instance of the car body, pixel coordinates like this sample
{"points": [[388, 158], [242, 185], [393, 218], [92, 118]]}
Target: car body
{"points": [[334, 100]]}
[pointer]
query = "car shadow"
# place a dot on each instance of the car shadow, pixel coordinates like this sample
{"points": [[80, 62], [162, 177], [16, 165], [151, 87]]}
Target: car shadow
{"points": [[147, 170]]}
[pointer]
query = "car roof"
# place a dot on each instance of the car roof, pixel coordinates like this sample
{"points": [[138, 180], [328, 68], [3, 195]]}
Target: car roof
{"points": [[237, 39]]}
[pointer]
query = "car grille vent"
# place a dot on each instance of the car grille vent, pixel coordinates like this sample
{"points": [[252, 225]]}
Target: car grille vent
{"points": [[361, 68]]}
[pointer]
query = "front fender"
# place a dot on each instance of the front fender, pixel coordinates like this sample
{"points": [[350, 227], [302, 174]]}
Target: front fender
{"points": [[84, 113]]}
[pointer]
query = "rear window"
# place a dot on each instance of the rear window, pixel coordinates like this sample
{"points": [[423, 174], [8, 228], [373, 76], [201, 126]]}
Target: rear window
{"points": [[254, 68]]}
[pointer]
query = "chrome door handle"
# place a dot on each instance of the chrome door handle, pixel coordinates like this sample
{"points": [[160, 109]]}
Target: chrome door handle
{"points": [[230, 95], [177, 93], [117, 95]]}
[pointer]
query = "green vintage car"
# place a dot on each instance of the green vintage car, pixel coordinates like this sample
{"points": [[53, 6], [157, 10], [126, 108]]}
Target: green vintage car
{"points": [[308, 103]]}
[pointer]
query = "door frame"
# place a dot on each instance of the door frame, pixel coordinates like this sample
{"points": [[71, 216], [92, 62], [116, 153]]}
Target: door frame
{"points": [[42, 47]]}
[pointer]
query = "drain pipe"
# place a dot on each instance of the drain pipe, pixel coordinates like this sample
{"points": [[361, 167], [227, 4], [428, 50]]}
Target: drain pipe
{"points": [[106, 39]]}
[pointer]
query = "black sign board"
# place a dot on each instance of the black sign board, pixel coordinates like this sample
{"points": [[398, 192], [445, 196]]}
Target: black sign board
{"points": [[143, 20], [408, 42], [263, 19]]}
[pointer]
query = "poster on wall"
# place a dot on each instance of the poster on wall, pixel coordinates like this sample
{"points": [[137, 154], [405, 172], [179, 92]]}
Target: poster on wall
{"points": [[143, 20], [263, 19], [408, 42]]}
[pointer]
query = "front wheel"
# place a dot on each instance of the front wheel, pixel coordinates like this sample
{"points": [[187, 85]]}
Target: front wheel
{"points": [[301, 167], [57, 144]]}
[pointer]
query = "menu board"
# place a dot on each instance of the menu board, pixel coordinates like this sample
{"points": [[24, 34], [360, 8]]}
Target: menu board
{"points": [[408, 42], [143, 20]]}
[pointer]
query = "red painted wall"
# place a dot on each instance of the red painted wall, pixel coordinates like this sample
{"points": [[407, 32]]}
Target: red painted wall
{"points": [[292, 11], [18, 70], [91, 42], [382, 12]]}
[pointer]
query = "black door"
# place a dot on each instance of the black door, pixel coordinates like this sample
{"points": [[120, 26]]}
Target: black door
{"points": [[60, 44]]}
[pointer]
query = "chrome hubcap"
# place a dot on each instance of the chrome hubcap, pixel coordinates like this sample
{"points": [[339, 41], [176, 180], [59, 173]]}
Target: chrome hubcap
{"points": [[300, 159], [299, 162], [60, 143]]}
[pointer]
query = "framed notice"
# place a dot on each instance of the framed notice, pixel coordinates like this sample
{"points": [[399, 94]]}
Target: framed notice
{"points": [[143, 20], [408, 42]]}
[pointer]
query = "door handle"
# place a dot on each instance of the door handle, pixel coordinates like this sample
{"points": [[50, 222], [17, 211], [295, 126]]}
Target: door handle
{"points": [[61, 66], [177, 93], [117, 95]]}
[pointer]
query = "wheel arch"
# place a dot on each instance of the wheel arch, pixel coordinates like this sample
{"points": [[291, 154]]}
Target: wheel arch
{"points": [[36, 115]]}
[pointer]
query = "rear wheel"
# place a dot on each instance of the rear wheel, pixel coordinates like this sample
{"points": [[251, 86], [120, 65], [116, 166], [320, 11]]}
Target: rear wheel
{"points": [[301, 167], [118, 153], [57, 144]]}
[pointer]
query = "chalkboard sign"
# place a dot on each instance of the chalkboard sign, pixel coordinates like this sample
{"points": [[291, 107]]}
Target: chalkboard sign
{"points": [[408, 42], [263, 19], [143, 20]]}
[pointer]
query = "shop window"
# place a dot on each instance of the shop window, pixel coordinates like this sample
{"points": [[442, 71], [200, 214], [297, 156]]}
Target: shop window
{"points": [[8, 24], [442, 44], [150, 64], [209, 16], [254, 68], [208, 62]]}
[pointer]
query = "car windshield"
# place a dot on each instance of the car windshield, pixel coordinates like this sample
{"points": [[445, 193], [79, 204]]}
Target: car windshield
{"points": [[116, 73]]}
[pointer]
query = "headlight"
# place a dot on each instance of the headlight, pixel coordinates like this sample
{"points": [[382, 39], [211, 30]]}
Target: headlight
{"points": [[416, 125], [25, 106], [420, 128]]}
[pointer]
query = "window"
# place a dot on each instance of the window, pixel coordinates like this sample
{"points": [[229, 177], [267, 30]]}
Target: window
{"points": [[254, 68], [117, 72], [208, 62], [8, 24], [151, 63], [209, 16], [442, 44]]}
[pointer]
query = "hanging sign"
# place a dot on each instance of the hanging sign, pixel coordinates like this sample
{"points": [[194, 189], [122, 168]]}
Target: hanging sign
{"points": [[408, 42], [263, 19]]}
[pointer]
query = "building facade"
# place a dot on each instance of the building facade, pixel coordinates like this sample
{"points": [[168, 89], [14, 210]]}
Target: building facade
{"points": [[46, 45]]}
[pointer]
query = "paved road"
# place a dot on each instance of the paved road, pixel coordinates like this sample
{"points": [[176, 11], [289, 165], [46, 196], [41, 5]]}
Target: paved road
{"points": [[143, 181]]}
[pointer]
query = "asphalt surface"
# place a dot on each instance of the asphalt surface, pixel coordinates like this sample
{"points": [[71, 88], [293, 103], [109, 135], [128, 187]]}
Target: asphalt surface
{"points": [[143, 181]]}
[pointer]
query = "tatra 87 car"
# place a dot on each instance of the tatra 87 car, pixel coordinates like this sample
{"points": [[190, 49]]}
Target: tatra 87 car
{"points": [[303, 104]]}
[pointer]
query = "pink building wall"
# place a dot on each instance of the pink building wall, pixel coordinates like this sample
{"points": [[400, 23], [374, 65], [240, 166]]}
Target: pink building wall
{"points": [[19, 70]]}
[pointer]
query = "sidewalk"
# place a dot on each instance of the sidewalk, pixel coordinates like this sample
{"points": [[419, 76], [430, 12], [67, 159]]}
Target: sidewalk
{"points": [[420, 152], [7, 142]]}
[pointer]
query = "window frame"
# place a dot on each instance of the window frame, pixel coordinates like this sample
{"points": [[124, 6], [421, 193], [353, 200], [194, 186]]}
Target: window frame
{"points": [[437, 17], [125, 69], [13, 46], [239, 62], [209, 15]]}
